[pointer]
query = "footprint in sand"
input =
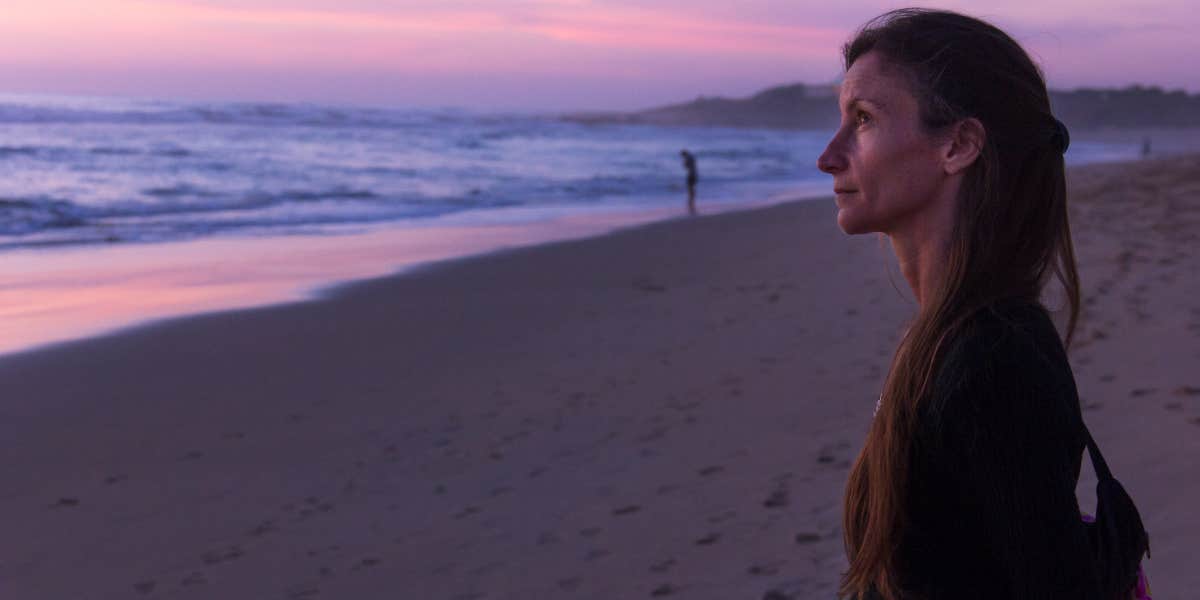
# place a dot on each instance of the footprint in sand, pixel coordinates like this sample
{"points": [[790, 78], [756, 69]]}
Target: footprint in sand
{"points": [[466, 512], [263, 528], [662, 566], [807, 538], [765, 568], [666, 489], [777, 499], [781, 594], [709, 539], [829, 454], [144, 587], [365, 563], [213, 557], [194, 578], [722, 517], [665, 589]]}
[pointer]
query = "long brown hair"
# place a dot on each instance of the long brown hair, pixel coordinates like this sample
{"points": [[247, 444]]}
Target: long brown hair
{"points": [[1009, 237]]}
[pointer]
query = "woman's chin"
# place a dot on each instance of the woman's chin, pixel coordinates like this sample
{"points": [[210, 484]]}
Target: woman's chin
{"points": [[850, 225]]}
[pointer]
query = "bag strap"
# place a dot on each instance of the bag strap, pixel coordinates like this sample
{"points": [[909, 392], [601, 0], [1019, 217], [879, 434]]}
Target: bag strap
{"points": [[1098, 462], [1118, 536]]}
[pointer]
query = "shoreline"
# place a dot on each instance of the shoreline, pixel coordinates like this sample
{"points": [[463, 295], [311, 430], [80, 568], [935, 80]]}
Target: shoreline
{"points": [[668, 409], [140, 285]]}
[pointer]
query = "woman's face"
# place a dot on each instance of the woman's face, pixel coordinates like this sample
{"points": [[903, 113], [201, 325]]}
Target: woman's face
{"points": [[885, 169]]}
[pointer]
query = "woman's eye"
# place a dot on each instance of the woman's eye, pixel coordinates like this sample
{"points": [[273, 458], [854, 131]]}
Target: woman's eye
{"points": [[862, 118]]}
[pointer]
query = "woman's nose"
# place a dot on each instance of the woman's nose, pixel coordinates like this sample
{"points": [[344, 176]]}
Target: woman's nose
{"points": [[832, 160]]}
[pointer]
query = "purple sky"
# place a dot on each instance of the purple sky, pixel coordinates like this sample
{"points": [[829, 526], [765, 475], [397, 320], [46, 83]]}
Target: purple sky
{"points": [[530, 54]]}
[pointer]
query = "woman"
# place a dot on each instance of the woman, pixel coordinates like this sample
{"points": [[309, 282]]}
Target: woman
{"points": [[965, 486]]}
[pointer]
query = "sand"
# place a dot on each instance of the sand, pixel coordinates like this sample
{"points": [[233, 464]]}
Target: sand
{"points": [[667, 411]]}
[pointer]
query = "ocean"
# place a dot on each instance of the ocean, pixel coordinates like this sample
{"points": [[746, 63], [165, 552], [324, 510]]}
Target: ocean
{"points": [[80, 171]]}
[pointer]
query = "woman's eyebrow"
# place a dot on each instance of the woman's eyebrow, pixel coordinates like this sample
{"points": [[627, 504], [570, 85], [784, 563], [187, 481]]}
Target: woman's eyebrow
{"points": [[864, 100]]}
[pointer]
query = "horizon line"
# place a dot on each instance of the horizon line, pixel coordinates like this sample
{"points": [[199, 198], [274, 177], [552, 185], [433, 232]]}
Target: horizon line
{"points": [[186, 99]]}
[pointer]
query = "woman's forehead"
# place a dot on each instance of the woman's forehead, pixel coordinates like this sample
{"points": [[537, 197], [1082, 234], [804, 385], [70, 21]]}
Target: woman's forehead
{"points": [[870, 79]]}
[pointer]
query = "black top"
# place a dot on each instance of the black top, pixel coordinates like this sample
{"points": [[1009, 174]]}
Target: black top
{"points": [[995, 461]]}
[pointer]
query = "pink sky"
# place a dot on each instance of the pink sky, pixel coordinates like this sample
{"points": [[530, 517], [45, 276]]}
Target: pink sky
{"points": [[535, 54]]}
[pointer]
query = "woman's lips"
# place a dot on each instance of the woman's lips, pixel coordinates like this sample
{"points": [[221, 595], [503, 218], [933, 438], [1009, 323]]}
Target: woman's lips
{"points": [[839, 193]]}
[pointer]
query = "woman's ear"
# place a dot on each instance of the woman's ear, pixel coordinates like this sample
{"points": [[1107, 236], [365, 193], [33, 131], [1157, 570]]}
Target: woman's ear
{"points": [[963, 146]]}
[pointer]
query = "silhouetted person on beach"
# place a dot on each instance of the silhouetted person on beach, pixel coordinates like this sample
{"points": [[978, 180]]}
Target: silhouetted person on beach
{"points": [[1146, 147], [689, 163]]}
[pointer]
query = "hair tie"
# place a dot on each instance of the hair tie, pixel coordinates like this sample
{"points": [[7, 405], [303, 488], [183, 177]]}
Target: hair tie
{"points": [[1061, 138]]}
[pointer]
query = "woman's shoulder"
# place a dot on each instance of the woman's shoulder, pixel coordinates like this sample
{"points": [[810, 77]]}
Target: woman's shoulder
{"points": [[1003, 332], [1004, 358]]}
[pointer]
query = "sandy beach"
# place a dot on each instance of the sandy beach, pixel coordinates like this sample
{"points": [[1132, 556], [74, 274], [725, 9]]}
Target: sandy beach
{"points": [[666, 411]]}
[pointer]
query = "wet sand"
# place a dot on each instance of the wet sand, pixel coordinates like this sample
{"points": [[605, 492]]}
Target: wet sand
{"points": [[667, 411]]}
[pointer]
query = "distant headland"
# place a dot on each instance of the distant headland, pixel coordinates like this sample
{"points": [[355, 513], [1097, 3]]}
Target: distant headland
{"points": [[801, 106]]}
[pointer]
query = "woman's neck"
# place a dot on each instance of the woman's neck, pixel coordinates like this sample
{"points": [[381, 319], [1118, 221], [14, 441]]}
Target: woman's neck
{"points": [[922, 249]]}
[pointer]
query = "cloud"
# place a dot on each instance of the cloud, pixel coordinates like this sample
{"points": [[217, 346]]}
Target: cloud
{"points": [[636, 48], [679, 32]]}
